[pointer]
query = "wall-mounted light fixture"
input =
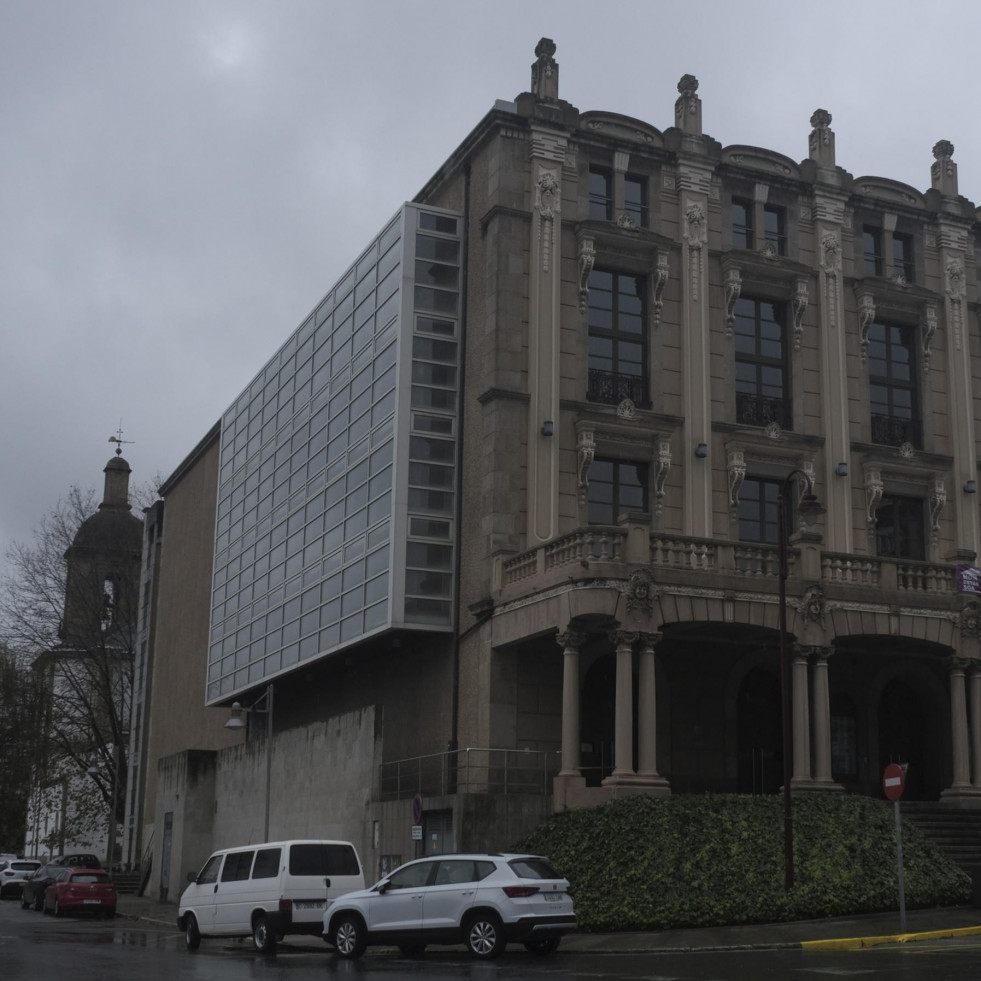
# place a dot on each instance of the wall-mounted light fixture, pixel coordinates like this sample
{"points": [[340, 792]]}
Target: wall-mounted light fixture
{"points": [[971, 487], [547, 428], [842, 470], [702, 451]]}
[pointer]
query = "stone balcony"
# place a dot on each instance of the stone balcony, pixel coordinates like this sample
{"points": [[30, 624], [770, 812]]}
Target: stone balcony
{"points": [[600, 551]]}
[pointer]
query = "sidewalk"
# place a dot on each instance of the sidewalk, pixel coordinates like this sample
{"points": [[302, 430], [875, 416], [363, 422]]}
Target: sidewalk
{"points": [[841, 932]]}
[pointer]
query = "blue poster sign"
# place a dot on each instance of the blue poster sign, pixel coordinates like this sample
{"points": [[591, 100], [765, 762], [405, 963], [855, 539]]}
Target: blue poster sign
{"points": [[969, 579]]}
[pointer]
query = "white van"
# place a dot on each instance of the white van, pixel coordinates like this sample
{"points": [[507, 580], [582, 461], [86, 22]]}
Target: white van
{"points": [[267, 890]]}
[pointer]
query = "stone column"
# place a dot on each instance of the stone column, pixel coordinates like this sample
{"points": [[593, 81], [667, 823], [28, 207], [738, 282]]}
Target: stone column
{"points": [[801, 719], [647, 715], [975, 697], [570, 642], [623, 769], [822, 718], [958, 726]]}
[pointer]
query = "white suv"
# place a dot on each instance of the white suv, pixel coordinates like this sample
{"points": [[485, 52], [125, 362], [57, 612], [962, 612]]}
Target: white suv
{"points": [[482, 901]]}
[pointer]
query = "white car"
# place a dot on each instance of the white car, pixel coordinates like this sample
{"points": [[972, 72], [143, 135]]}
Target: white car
{"points": [[13, 873], [482, 901]]}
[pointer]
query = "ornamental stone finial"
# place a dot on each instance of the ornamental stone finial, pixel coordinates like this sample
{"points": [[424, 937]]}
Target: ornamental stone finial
{"points": [[545, 71], [688, 107], [943, 171], [688, 85], [821, 142]]}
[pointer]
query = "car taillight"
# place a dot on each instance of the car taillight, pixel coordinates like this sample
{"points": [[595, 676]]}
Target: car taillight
{"points": [[520, 892]]}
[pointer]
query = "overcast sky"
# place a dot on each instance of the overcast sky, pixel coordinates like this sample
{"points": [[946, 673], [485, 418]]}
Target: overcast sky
{"points": [[182, 180]]}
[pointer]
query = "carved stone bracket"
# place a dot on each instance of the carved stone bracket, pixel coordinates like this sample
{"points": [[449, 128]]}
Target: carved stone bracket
{"points": [[799, 306], [585, 451], [970, 620], [812, 605], [866, 317], [696, 237], [661, 469], [736, 469], [548, 201], [640, 592], [873, 495], [938, 500], [660, 280], [831, 264], [928, 327], [734, 286], [956, 291], [587, 258]]}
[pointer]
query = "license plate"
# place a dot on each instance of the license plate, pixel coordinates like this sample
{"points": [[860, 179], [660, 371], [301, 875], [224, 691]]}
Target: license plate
{"points": [[308, 904], [554, 897], [91, 902]]}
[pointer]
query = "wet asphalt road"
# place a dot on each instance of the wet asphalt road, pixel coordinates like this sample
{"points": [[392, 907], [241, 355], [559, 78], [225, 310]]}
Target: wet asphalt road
{"points": [[34, 946]]}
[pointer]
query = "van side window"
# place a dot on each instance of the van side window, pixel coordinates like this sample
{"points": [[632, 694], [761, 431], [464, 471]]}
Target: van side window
{"points": [[237, 866], [210, 871], [266, 863], [323, 859]]}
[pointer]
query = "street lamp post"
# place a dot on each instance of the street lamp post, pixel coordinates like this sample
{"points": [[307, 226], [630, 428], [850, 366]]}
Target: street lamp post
{"points": [[808, 507], [236, 721]]}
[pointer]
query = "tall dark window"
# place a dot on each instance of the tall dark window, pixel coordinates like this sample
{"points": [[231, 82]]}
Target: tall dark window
{"points": [[762, 385], [600, 193], [893, 398], [758, 512], [615, 486], [774, 228], [742, 223], [617, 339], [899, 527], [902, 257], [872, 250], [635, 199]]}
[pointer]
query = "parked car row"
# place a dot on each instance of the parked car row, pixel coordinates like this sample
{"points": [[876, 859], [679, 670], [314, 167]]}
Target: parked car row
{"points": [[68, 883], [271, 890]]}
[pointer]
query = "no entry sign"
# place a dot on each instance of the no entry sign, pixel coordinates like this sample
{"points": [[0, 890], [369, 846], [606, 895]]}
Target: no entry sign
{"points": [[894, 781]]}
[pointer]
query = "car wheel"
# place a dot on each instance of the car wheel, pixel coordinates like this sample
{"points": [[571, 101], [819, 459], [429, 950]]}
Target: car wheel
{"points": [[349, 937], [485, 936], [262, 936], [192, 935], [58, 911], [39, 904], [546, 945], [25, 903], [412, 950], [109, 912]]}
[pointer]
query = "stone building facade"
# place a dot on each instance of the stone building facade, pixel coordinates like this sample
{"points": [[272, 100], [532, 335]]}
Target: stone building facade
{"points": [[601, 360]]}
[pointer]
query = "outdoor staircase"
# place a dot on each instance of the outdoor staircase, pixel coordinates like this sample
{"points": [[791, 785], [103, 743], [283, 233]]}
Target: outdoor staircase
{"points": [[955, 830], [127, 882]]}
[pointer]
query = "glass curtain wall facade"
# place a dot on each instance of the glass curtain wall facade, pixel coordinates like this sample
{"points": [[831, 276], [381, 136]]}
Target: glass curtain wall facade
{"points": [[338, 478]]}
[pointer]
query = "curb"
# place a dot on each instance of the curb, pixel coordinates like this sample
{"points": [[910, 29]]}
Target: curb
{"points": [[854, 943]]}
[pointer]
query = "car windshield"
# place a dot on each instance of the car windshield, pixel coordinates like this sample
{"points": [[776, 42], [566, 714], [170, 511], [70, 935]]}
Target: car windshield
{"points": [[89, 877]]}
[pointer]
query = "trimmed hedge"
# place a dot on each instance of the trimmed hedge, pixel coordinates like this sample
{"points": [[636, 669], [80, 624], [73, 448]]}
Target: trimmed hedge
{"points": [[645, 862]]}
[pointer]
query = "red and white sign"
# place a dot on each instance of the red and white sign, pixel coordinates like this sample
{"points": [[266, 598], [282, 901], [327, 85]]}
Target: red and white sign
{"points": [[894, 781]]}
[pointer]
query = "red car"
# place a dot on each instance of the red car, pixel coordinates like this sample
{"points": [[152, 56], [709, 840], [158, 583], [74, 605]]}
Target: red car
{"points": [[81, 889]]}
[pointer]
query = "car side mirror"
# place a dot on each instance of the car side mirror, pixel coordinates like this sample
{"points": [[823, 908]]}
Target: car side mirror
{"points": [[192, 877], [383, 886]]}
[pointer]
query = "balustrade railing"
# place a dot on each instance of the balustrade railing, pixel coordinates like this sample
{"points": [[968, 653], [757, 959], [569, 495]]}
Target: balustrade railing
{"points": [[751, 560]]}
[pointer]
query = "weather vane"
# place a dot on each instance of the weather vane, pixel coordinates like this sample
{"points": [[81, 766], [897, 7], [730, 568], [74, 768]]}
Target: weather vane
{"points": [[119, 441]]}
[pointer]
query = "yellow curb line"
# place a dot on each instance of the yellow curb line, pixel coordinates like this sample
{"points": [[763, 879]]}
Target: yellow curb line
{"points": [[854, 943]]}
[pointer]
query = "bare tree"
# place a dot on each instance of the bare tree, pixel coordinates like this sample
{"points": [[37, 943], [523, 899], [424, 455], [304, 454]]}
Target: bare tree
{"points": [[75, 623]]}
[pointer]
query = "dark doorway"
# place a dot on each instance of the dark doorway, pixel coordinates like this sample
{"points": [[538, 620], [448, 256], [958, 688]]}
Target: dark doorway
{"points": [[759, 733], [908, 734], [598, 720]]}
